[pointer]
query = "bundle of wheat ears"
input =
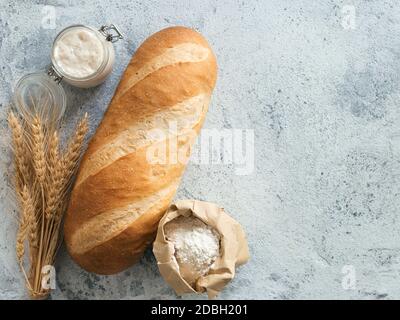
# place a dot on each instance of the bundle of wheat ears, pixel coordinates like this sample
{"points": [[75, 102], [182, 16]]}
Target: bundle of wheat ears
{"points": [[43, 177]]}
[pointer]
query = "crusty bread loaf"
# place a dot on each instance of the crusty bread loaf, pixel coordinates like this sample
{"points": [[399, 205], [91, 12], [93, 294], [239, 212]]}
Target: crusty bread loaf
{"points": [[121, 193]]}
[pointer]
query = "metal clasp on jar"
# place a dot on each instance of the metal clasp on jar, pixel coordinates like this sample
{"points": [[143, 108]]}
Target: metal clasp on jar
{"points": [[111, 32], [53, 73]]}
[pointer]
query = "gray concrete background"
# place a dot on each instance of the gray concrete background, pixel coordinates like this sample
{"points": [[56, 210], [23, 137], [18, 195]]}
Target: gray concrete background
{"points": [[323, 101]]}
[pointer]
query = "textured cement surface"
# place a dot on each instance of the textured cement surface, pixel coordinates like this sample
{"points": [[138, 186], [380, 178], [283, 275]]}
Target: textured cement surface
{"points": [[323, 101]]}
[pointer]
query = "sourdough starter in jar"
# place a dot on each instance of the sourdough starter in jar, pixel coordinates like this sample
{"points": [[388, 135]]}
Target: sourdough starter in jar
{"points": [[82, 56]]}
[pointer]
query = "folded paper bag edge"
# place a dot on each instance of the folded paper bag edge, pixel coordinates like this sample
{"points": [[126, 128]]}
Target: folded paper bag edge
{"points": [[181, 286]]}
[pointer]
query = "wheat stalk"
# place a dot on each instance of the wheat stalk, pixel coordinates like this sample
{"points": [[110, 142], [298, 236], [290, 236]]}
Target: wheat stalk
{"points": [[43, 182]]}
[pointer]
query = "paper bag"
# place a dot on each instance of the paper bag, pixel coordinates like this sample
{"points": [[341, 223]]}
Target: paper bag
{"points": [[233, 252]]}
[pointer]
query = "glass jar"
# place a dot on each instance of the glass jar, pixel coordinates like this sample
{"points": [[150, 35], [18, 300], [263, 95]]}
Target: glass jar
{"points": [[84, 56], [37, 94], [41, 93]]}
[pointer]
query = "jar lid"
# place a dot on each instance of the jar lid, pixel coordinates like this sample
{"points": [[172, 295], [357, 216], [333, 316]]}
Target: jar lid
{"points": [[39, 94]]}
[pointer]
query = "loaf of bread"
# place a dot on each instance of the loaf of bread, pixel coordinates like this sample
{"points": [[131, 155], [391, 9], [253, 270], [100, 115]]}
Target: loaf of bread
{"points": [[125, 183]]}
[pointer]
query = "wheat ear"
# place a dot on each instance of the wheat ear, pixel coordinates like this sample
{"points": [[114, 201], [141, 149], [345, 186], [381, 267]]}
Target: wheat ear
{"points": [[27, 216], [38, 150], [54, 186], [54, 155], [71, 157], [33, 233], [20, 151]]}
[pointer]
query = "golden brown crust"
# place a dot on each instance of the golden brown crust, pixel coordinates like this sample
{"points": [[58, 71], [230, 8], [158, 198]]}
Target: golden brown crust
{"points": [[170, 67], [126, 248], [154, 92]]}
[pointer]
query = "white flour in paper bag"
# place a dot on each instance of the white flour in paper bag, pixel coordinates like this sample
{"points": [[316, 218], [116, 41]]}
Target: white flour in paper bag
{"points": [[196, 245]]}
